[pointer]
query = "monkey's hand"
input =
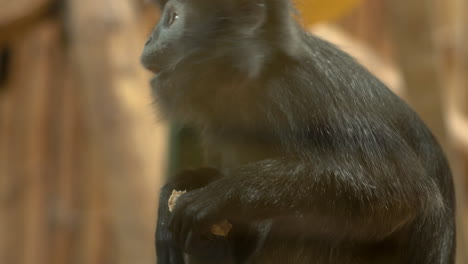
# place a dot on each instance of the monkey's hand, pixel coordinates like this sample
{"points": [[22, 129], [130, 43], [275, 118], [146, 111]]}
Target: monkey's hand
{"points": [[168, 251], [237, 199], [195, 214]]}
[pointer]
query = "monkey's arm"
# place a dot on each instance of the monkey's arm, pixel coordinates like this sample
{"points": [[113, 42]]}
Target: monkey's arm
{"points": [[361, 194]]}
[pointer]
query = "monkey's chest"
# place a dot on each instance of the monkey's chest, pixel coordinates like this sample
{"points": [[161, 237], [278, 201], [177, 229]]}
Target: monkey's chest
{"points": [[230, 153]]}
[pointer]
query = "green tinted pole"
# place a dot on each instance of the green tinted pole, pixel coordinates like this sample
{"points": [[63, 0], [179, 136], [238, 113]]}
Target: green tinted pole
{"points": [[184, 149]]}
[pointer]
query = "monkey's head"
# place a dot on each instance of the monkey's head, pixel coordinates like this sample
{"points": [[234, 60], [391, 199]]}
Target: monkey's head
{"points": [[209, 52], [199, 32]]}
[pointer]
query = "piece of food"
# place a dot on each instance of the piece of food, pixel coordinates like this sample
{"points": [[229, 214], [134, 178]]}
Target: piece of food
{"points": [[221, 229], [173, 199]]}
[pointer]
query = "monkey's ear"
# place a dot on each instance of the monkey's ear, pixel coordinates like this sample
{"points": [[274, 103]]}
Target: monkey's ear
{"points": [[250, 12], [251, 6], [160, 3]]}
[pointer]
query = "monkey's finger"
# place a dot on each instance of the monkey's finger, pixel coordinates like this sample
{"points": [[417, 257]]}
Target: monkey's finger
{"points": [[170, 255], [191, 242], [175, 222], [207, 246], [206, 217], [185, 228], [163, 256], [176, 256], [198, 245], [181, 220]]}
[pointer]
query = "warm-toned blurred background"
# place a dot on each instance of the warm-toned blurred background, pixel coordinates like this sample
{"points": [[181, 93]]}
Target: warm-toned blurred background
{"points": [[82, 153]]}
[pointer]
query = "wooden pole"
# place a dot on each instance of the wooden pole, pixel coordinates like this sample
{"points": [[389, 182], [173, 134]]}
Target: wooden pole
{"points": [[106, 46]]}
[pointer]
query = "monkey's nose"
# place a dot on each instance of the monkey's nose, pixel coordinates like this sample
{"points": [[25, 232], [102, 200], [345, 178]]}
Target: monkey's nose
{"points": [[150, 39]]}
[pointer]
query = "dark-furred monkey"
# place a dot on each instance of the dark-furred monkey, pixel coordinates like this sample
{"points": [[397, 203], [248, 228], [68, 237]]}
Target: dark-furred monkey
{"points": [[309, 156]]}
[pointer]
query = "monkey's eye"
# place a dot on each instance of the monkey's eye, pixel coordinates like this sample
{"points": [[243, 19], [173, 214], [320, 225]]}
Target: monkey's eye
{"points": [[171, 18]]}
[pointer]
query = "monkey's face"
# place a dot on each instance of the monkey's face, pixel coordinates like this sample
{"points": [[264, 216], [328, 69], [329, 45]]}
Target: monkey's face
{"points": [[197, 29], [186, 28]]}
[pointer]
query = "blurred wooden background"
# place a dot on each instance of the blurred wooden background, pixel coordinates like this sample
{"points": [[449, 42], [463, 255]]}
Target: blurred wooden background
{"points": [[82, 153]]}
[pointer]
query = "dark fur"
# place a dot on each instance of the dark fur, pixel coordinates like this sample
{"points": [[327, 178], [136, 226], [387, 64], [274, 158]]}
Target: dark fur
{"points": [[314, 159]]}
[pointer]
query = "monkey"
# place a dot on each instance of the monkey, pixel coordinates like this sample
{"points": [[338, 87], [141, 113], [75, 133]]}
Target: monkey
{"points": [[309, 156]]}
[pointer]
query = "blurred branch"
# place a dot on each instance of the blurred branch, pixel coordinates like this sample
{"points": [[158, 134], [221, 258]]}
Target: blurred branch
{"points": [[18, 15]]}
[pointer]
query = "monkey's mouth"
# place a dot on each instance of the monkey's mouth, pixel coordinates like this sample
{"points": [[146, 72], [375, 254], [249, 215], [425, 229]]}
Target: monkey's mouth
{"points": [[155, 70]]}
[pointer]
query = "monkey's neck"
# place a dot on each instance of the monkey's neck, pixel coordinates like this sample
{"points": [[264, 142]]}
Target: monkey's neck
{"points": [[210, 96]]}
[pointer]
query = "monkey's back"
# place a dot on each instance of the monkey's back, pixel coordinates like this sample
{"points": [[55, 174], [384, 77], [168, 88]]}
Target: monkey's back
{"points": [[354, 100]]}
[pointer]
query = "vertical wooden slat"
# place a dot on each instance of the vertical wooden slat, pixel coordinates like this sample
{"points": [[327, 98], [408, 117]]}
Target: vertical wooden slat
{"points": [[8, 203], [27, 141], [64, 205], [91, 242], [95, 242]]}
